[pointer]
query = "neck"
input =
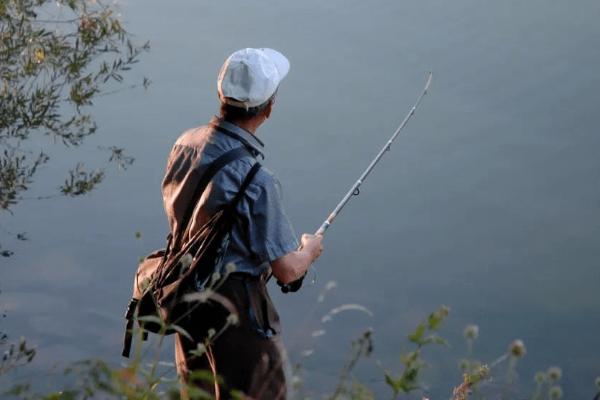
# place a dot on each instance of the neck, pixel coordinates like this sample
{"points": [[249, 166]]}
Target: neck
{"points": [[251, 125]]}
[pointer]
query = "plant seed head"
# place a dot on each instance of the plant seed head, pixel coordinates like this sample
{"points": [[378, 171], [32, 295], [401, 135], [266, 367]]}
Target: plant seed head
{"points": [[471, 332], [444, 311], [555, 392], [554, 374], [540, 377], [517, 349], [484, 371]]}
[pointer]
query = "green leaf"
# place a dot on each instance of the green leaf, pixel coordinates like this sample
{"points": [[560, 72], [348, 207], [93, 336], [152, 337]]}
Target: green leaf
{"points": [[436, 318], [409, 358], [435, 339], [19, 390], [393, 383], [417, 335], [203, 375]]}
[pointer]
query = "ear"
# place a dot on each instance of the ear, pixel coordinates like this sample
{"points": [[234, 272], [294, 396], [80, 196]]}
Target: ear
{"points": [[268, 109]]}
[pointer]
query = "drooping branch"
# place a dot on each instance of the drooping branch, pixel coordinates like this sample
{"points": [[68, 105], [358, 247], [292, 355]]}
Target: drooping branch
{"points": [[51, 71]]}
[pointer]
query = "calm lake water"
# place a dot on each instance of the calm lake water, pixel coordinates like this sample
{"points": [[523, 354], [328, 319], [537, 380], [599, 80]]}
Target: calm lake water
{"points": [[489, 202]]}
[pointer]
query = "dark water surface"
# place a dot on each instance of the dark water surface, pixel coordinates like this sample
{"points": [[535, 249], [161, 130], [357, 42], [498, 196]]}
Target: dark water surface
{"points": [[489, 202]]}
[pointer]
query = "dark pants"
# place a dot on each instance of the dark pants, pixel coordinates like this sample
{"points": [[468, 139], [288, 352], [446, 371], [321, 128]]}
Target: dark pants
{"points": [[247, 357]]}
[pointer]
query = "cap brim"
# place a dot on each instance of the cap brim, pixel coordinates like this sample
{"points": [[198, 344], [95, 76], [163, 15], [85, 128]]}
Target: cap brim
{"points": [[281, 62]]}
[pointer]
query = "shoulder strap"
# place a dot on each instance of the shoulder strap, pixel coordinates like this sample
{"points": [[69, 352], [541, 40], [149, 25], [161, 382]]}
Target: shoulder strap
{"points": [[210, 172], [251, 174], [237, 137]]}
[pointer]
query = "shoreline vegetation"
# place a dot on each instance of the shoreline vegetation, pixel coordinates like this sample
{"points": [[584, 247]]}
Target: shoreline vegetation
{"points": [[147, 377], [56, 59]]}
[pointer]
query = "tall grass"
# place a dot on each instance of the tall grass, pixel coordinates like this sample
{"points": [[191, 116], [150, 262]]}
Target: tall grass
{"points": [[147, 377]]}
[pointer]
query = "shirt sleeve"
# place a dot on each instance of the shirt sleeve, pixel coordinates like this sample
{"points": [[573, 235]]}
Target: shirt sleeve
{"points": [[270, 232]]}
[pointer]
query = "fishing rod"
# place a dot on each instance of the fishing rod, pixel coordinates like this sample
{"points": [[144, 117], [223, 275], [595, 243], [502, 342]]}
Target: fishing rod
{"points": [[355, 189]]}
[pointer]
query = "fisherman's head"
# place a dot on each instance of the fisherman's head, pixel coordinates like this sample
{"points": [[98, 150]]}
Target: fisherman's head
{"points": [[248, 82]]}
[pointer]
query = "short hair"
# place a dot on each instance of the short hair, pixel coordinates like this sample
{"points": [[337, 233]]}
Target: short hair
{"points": [[234, 113]]}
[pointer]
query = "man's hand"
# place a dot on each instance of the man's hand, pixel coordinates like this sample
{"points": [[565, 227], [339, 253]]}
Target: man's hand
{"points": [[293, 266], [313, 244]]}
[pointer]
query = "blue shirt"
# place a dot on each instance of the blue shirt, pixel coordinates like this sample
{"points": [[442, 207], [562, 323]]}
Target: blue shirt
{"points": [[262, 232]]}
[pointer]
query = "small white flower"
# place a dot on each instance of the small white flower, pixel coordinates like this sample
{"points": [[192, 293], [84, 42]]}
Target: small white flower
{"points": [[211, 333], [230, 268], [232, 319], [186, 260], [199, 351], [296, 380]]}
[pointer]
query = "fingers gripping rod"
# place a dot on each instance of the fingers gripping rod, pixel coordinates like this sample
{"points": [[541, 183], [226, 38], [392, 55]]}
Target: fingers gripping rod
{"points": [[355, 189]]}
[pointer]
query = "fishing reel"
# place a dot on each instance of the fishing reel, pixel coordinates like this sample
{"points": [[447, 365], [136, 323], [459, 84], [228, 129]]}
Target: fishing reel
{"points": [[292, 286]]}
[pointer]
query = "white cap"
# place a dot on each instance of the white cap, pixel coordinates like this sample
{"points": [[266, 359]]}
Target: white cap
{"points": [[249, 77]]}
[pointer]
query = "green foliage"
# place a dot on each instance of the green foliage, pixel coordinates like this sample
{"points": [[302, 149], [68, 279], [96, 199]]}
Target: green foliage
{"points": [[362, 347], [424, 334], [547, 384], [140, 380], [474, 371], [16, 173], [477, 375], [15, 355], [96, 379], [81, 181], [56, 58], [50, 70], [470, 381], [146, 381], [360, 392]]}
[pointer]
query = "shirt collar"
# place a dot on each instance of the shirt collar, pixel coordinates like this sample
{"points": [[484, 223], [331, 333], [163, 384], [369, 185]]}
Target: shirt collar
{"points": [[247, 137]]}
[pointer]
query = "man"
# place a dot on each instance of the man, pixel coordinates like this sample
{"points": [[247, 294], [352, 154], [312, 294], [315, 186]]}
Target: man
{"points": [[248, 356]]}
